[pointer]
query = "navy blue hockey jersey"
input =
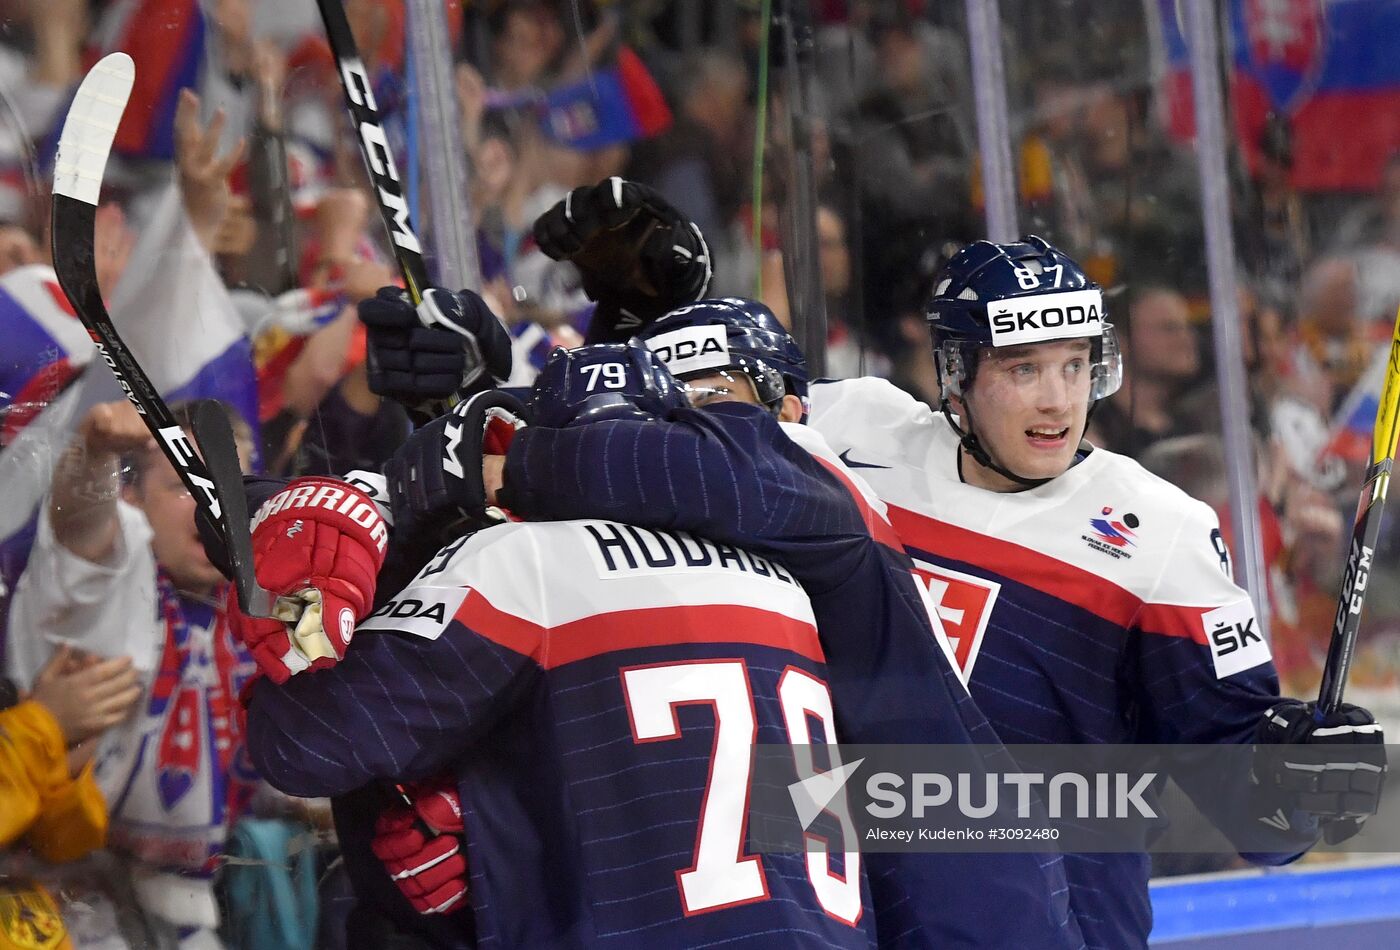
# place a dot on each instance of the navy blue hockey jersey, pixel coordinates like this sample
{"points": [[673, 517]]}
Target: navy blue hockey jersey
{"points": [[597, 689], [734, 473]]}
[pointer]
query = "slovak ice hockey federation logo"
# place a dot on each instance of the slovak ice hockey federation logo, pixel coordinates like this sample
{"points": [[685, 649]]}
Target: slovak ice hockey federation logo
{"points": [[1285, 45], [964, 604], [1113, 536]]}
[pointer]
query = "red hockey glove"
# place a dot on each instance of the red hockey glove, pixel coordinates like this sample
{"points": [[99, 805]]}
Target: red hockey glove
{"points": [[318, 544], [421, 847]]}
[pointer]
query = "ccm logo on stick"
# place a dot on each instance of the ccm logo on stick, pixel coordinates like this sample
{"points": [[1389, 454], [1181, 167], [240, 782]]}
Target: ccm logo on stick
{"points": [[378, 155], [1046, 317]]}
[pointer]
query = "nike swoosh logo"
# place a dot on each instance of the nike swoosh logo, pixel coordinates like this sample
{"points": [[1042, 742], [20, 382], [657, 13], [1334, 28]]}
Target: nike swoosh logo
{"points": [[851, 463]]}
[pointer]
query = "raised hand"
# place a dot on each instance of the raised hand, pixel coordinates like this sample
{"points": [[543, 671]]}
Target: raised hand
{"points": [[203, 173]]}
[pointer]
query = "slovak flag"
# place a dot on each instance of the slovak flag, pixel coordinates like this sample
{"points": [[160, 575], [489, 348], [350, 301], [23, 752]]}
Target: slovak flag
{"points": [[1329, 67]]}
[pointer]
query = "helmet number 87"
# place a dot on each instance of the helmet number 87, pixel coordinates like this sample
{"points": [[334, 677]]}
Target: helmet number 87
{"points": [[1030, 280], [614, 376]]}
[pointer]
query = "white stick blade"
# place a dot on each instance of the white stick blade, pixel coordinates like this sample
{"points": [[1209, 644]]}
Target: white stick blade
{"points": [[91, 127]]}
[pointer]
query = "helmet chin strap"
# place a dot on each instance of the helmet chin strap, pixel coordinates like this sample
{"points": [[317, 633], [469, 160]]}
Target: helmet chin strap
{"points": [[973, 446]]}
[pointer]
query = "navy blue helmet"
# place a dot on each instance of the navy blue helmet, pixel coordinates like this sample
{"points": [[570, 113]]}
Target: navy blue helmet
{"points": [[1012, 294], [731, 333], [603, 381]]}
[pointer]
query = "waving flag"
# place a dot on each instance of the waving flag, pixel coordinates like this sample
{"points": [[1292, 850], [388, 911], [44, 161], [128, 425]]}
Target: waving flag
{"points": [[166, 39], [1330, 66], [45, 345], [1349, 437], [178, 319], [618, 104], [45, 350]]}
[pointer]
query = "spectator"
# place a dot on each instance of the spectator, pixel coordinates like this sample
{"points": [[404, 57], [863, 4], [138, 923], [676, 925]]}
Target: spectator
{"points": [[1161, 354], [701, 164], [913, 371], [47, 741], [1375, 220], [541, 301], [1370, 235], [915, 128], [1334, 339], [49, 801], [847, 354], [1275, 231], [1057, 202], [120, 571], [528, 42], [1146, 193]]}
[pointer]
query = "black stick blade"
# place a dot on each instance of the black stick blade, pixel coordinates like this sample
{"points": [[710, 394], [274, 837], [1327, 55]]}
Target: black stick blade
{"points": [[216, 443]]}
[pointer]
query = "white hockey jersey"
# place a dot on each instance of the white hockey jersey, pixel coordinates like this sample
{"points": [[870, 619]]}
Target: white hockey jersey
{"points": [[1098, 607]]}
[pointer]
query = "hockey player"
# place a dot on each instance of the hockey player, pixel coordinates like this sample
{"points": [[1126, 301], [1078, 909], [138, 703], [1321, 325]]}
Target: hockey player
{"points": [[595, 689]]}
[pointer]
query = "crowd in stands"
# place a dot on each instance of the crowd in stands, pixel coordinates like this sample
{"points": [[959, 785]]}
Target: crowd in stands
{"points": [[237, 231]]}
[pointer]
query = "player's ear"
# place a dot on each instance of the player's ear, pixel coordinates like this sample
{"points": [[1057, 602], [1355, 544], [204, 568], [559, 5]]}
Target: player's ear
{"points": [[791, 409]]}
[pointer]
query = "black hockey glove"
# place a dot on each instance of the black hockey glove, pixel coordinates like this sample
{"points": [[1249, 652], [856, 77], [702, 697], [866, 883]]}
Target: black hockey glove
{"points": [[1332, 771], [639, 257], [435, 482], [450, 343]]}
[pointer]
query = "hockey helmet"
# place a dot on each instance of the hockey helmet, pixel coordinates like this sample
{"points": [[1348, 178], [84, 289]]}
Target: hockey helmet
{"points": [[731, 333], [603, 381], [991, 295]]}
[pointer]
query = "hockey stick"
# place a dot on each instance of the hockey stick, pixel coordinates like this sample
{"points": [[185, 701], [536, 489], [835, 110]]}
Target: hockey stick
{"points": [[83, 146], [1363, 536], [216, 443], [374, 149]]}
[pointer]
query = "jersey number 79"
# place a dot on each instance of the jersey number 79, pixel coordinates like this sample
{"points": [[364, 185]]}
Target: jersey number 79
{"points": [[721, 876]]}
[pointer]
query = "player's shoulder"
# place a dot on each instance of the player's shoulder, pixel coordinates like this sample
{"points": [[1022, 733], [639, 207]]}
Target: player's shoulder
{"points": [[508, 566], [871, 414], [808, 438], [1158, 495], [553, 573], [838, 398], [525, 546], [1142, 532]]}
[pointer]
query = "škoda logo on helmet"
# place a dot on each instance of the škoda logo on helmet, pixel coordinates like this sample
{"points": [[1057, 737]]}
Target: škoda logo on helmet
{"points": [[1076, 313]]}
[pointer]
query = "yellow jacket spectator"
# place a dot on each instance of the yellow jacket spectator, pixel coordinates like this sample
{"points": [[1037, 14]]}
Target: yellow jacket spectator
{"points": [[61, 817], [49, 801]]}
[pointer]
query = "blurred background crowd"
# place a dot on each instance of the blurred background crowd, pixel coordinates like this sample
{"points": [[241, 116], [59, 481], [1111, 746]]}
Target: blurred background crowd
{"points": [[237, 230]]}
